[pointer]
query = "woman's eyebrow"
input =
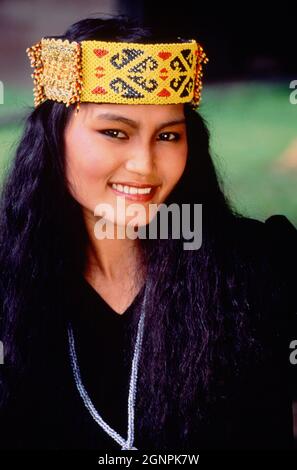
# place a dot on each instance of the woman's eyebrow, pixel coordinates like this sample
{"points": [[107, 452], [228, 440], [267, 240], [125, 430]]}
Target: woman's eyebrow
{"points": [[135, 124], [174, 122], [117, 117]]}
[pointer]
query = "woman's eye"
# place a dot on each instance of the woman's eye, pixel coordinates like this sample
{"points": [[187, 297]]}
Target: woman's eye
{"points": [[169, 136], [114, 133]]}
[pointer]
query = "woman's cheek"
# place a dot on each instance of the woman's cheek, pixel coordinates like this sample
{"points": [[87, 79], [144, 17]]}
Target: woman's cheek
{"points": [[175, 169], [89, 163]]}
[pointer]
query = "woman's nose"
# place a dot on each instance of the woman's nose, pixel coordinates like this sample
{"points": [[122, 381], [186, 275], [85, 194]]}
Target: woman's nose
{"points": [[141, 159]]}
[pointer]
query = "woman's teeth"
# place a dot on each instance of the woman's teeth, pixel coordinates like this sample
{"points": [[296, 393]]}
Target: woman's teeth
{"points": [[130, 189]]}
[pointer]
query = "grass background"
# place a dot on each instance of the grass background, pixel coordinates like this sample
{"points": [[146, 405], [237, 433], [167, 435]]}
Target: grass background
{"points": [[252, 125]]}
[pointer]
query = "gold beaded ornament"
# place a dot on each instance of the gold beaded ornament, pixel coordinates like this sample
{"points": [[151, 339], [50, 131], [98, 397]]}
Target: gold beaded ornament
{"points": [[116, 72]]}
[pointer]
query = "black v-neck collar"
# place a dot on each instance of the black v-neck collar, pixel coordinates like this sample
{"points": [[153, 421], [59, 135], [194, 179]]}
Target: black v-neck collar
{"points": [[97, 298]]}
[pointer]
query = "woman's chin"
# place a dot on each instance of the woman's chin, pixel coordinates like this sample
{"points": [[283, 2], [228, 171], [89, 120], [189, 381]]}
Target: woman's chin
{"points": [[118, 228]]}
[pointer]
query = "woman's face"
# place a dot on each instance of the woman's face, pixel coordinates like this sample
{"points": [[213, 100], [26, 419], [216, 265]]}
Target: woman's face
{"points": [[113, 152]]}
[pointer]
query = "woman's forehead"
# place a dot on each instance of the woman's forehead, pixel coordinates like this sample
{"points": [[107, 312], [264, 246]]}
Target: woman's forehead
{"points": [[138, 113]]}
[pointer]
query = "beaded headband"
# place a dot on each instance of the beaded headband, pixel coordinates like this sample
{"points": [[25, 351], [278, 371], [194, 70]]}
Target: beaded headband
{"points": [[116, 72]]}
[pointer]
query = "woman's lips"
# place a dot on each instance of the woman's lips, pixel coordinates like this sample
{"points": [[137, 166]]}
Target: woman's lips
{"points": [[136, 197]]}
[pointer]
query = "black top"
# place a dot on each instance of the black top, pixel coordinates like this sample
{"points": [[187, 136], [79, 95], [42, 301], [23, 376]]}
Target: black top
{"points": [[52, 415], [102, 346], [48, 412]]}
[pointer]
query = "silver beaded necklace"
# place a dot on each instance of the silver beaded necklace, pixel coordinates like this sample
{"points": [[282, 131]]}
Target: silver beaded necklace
{"points": [[126, 444]]}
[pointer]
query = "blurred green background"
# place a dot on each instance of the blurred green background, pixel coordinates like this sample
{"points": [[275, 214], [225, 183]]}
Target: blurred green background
{"points": [[254, 144], [253, 130]]}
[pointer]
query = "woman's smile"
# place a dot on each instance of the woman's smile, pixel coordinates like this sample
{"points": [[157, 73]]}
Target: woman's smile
{"points": [[141, 193]]}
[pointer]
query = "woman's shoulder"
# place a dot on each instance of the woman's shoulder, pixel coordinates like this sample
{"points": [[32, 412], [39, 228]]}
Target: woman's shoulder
{"points": [[276, 224], [277, 232], [273, 242], [282, 239], [282, 230]]}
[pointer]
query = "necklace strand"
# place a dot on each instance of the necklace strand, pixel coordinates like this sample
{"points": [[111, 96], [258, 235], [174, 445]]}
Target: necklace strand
{"points": [[125, 444]]}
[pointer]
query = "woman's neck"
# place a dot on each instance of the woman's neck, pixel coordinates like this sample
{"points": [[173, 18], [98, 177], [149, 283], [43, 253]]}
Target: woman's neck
{"points": [[111, 259]]}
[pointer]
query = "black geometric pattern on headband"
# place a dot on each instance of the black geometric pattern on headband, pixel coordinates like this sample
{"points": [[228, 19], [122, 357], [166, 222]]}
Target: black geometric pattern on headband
{"points": [[176, 83], [148, 64], [148, 85], [119, 86], [188, 56], [176, 64], [188, 88], [127, 55]]}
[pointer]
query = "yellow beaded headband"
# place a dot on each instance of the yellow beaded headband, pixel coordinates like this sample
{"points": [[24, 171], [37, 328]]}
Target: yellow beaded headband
{"points": [[116, 72]]}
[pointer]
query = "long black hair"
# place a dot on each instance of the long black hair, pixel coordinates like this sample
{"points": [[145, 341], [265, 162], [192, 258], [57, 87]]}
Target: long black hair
{"points": [[190, 336]]}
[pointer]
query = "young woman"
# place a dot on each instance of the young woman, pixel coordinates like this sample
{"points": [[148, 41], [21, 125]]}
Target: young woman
{"points": [[136, 343]]}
